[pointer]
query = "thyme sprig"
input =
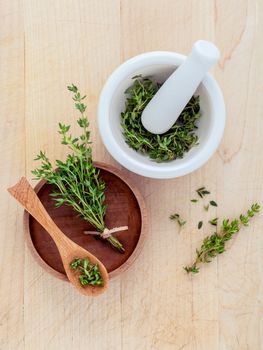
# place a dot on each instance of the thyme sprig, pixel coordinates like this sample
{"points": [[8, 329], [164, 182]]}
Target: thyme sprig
{"points": [[215, 244], [168, 146], [213, 222], [176, 217], [90, 274], [78, 182], [202, 191]]}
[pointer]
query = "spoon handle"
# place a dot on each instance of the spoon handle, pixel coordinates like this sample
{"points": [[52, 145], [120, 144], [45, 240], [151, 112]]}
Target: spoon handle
{"points": [[25, 195]]}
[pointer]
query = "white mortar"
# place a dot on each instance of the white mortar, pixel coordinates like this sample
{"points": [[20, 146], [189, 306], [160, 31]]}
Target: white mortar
{"points": [[159, 65]]}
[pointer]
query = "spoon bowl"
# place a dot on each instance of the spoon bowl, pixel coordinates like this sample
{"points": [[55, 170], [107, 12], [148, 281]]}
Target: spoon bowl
{"points": [[68, 250], [75, 251]]}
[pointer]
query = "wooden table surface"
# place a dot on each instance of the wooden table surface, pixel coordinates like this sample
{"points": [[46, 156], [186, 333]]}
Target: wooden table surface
{"points": [[44, 46]]}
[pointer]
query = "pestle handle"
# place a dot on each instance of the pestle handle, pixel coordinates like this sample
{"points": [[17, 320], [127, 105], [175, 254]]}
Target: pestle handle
{"points": [[167, 104]]}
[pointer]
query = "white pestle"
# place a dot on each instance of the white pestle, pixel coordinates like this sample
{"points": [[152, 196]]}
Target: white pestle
{"points": [[168, 103]]}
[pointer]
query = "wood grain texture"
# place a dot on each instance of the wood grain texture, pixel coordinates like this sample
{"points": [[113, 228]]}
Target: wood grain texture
{"points": [[12, 166], [47, 44]]}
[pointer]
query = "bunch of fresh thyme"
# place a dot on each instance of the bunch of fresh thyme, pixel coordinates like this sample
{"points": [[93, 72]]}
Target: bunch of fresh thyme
{"points": [[90, 273], [77, 180], [168, 146], [215, 244]]}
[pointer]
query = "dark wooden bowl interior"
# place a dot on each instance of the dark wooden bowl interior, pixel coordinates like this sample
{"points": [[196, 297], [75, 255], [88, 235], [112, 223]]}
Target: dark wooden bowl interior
{"points": [[122, 209]]}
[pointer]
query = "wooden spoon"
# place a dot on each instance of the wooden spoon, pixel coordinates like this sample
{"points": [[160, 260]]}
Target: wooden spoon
{"points": [[68, 250]]}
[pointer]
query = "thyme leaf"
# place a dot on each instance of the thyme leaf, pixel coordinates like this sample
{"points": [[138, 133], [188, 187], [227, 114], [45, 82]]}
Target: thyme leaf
{"points": [[206, 207], [200, 224]]}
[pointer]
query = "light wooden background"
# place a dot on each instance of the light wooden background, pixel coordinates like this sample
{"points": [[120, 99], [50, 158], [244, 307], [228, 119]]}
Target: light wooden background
{"points": [[47, 44]]}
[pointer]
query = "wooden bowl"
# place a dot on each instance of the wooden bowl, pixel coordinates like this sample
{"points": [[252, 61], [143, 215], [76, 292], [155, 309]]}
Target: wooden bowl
{"points": [[125, 206]]}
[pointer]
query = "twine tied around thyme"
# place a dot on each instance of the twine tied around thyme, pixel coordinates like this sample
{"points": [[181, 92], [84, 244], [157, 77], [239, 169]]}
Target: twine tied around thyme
{"points": [[107, 233]]}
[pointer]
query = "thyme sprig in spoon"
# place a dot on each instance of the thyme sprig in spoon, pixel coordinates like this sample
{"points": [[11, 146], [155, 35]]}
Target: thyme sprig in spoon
{"points": [[89, 273], [77, 180]]}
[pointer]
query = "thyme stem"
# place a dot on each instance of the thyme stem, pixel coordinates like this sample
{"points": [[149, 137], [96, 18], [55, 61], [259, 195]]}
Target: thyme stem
{"points": [[78, 182]]}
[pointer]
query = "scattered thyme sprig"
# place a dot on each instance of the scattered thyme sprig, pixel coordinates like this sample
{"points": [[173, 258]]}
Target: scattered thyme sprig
{"points": [[178, 219], [215, 244], [168, 146], [90, 273], [202, 191], [77, 180], [213, 221]]}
